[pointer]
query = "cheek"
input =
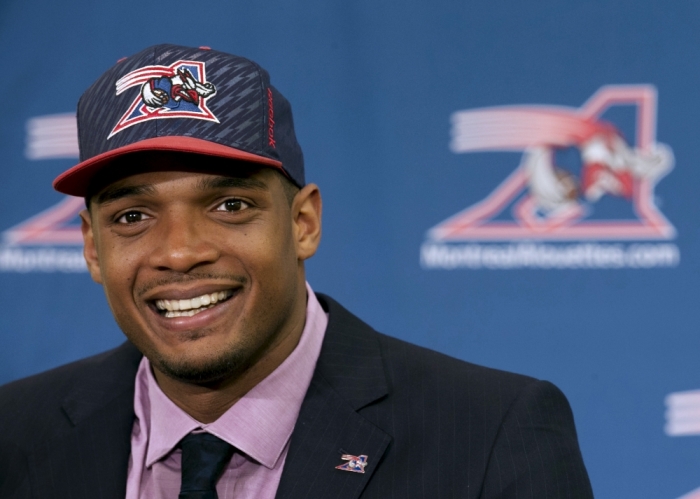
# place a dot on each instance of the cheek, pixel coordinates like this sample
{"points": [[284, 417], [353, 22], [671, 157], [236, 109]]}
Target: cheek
{"points": [[271, 265], [119, 283], [275, 253], [119, 270], [269, 259]]}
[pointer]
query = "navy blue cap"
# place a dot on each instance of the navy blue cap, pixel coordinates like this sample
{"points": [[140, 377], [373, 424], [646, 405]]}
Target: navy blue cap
{"points": [[193, 100]]}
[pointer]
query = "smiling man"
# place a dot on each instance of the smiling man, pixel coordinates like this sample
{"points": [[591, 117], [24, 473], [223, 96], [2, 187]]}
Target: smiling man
{"points": [[204, 272], [237, 380]]}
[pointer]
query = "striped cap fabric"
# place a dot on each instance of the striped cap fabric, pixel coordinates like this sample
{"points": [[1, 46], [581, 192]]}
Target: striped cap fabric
{"points": [[192, 100]]}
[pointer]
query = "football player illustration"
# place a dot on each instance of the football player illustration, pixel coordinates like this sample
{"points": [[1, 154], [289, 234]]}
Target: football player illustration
{"points": [[172, 91], [609, 167]]}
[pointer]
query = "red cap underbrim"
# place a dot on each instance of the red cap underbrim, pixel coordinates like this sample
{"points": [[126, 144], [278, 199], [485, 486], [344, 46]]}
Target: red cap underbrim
{"points": [[75, 181]]}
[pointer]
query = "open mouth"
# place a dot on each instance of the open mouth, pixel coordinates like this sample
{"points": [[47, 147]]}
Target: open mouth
{"points": [[192, 306]]}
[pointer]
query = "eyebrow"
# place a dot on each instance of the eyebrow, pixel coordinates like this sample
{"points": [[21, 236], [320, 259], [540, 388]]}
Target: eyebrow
{"points": [[228, 182], [111, 194]]}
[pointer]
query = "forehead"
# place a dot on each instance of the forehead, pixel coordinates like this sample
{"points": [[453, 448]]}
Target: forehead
{"points": [[171, 183], [150, 168]]}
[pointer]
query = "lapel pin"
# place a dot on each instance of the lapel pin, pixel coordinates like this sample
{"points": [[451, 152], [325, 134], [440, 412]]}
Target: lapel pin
{"points": [[356, 464]]}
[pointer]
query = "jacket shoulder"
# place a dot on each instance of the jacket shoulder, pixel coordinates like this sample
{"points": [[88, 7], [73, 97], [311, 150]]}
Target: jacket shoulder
{"points": [[429, 364], [38, 397], [446, 390], [413, 366]]}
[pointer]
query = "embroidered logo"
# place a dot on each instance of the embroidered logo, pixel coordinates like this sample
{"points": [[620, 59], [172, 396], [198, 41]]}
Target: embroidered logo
{"points": [[180, 90], [356, 464]]}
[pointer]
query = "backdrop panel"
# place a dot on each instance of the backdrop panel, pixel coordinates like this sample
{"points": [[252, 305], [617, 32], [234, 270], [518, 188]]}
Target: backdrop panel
{"points": [[512, 183]]}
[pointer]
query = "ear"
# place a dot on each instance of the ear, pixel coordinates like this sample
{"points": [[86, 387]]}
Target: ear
{"points": [[89, 248], [306, 217]]}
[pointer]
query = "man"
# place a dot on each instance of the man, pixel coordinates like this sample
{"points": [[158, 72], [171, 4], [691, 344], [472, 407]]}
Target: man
{"points": [[236, 378]]}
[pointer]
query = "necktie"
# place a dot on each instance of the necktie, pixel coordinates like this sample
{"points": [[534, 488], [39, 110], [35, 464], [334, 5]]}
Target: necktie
{"points": [[204, 457]]}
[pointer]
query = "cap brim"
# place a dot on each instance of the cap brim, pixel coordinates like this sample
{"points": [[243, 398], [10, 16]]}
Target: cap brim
{"points": [[76, 181]]}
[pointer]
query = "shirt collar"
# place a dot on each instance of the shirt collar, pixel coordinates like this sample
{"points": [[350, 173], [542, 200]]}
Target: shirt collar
{"points": [[262, 421]]}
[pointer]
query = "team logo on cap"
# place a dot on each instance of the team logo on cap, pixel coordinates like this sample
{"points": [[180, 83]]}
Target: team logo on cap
{"points": [[176, 91]]}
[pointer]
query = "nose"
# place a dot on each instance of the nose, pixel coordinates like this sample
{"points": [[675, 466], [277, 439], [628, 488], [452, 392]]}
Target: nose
{"points": [[182, 242]]}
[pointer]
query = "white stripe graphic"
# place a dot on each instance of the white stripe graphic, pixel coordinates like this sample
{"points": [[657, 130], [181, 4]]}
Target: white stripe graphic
{"points": [[52, 136], [141, 76], [515, 128], [683, 413]]}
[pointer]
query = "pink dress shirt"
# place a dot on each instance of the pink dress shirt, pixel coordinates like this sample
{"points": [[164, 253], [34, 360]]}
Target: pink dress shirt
{"points": [[259, 425]]}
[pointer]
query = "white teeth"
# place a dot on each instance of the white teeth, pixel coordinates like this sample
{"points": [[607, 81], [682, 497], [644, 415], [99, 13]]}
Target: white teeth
{"points": [[184, 313], [188, 308]]}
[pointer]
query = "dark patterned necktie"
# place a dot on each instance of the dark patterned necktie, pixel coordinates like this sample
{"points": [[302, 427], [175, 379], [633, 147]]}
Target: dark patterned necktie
{"points": [[204, 457]]}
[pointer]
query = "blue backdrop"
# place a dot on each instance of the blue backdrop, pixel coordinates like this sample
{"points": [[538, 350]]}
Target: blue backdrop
{"points": [[555, 236]]}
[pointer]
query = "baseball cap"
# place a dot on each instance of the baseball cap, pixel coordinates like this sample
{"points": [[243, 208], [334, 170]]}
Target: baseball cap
{"points": [[183, 99]]}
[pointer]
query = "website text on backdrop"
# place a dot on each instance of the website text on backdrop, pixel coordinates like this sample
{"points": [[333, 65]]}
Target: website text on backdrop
{"points": [[236, 377]]}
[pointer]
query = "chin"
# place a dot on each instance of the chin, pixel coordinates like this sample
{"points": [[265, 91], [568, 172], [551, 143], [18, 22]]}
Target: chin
{"points": [[203, 371]]}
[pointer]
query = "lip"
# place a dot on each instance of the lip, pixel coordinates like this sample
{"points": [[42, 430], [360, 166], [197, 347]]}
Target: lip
{"points": [[187, 293], [205, 319]]}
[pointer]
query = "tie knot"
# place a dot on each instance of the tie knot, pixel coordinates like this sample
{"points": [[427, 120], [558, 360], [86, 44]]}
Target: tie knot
{"points": [[204, 457]]}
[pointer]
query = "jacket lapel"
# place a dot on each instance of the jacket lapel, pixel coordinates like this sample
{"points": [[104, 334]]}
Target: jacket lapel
{"points": [[349, 375], [90, 458]]}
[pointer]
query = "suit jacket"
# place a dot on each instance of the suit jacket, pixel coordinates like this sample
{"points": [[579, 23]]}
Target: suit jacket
{"points": [[431, 426]]}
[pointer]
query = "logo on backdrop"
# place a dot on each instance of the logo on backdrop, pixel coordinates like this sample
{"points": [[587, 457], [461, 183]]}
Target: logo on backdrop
{"points": [[601, 200], [683, 420], [176, 91], [50, 241]]}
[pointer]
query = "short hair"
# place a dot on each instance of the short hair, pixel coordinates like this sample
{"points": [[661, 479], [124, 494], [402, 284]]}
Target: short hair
{"points": [[290, 188]]}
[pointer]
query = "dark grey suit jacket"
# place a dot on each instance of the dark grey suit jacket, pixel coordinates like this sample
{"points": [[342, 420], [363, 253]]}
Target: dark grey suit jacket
{"points": [[431, 426]]}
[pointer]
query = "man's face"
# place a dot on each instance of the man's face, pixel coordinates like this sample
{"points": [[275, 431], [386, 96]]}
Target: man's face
{"points": [[203, 272]]}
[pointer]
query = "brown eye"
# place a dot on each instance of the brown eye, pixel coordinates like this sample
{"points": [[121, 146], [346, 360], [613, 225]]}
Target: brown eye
{"points": [[232, 204], [131, 217]]}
